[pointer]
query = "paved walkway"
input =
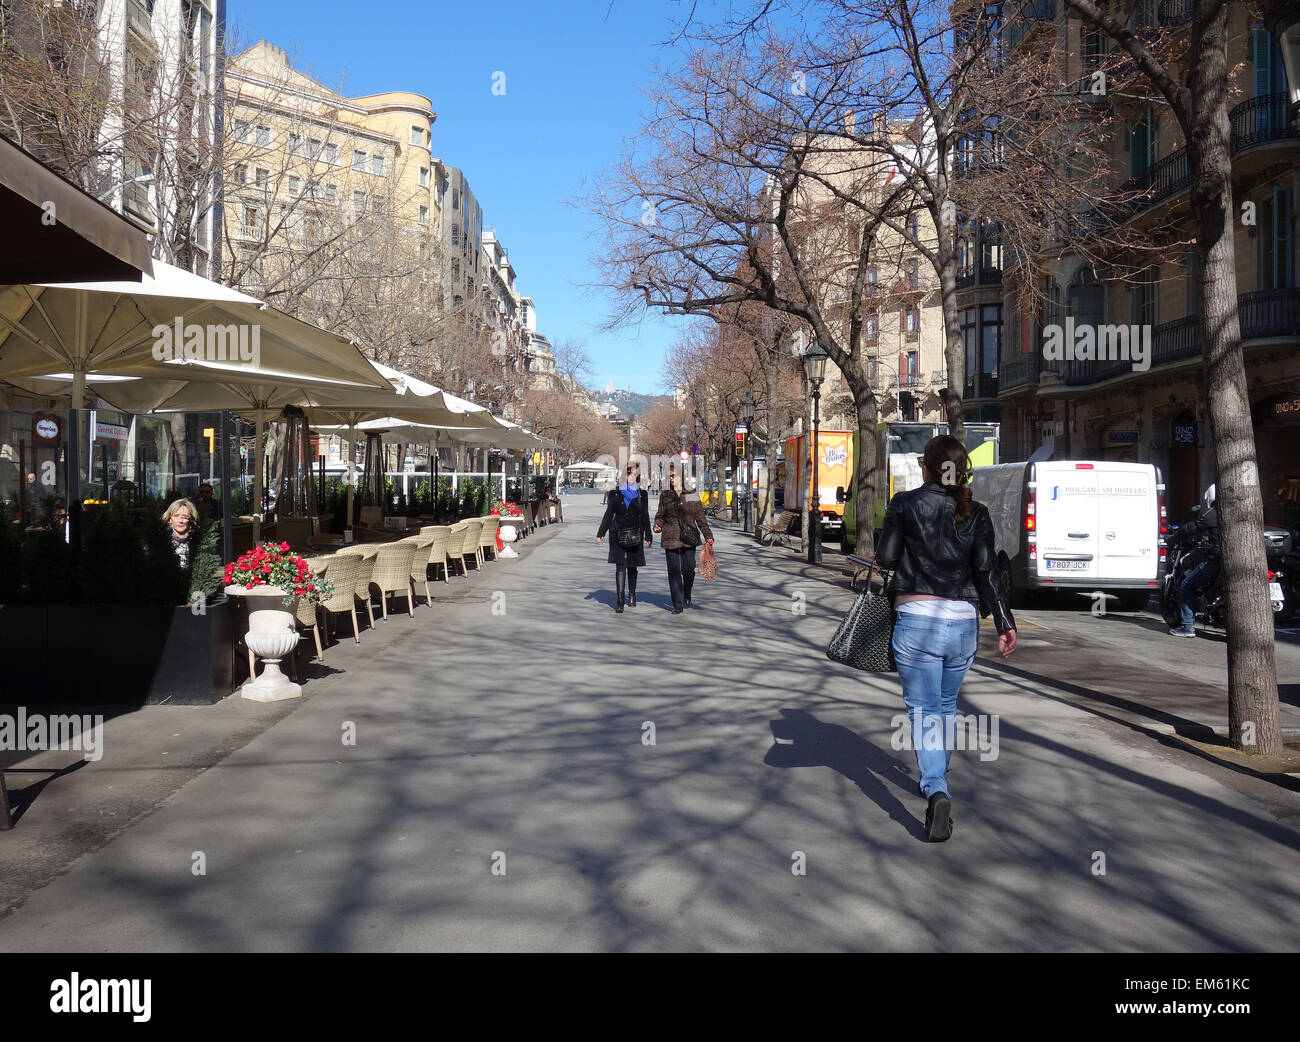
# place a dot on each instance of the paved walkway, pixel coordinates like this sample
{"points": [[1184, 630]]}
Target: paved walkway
{"points": [[516, 742]]}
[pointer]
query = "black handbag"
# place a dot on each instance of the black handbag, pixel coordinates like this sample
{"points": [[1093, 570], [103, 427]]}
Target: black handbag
{"points": [[628, 528], [688, 531], [865, 637]]}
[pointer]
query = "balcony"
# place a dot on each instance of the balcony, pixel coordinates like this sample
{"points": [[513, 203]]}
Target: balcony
{"points": [[1020, 372], [139, 17], [1260, 120], [910, 381], [1032, 15], [979, 277], [1263, 314], [1173, 14]]}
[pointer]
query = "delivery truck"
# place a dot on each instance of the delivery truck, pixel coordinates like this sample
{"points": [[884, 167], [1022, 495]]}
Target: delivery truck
{"points": [[899, 444], [834, 466]]}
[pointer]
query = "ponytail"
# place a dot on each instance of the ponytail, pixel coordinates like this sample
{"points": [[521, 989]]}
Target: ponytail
{"points": [[946, 460]]}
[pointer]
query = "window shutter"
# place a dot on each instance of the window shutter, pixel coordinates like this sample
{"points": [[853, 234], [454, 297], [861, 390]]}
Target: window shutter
{"points": [[1261, 45], [1283, 239]]}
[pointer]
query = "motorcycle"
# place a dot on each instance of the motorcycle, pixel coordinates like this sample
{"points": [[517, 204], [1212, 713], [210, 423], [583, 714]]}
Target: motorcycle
{"points": [[1211, 599], [1283, 552]]}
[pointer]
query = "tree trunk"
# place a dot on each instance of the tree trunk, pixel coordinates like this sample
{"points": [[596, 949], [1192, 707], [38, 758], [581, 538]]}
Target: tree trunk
{"points": [[771, 375], [954, 353], [867, 473], [1252, 671]]}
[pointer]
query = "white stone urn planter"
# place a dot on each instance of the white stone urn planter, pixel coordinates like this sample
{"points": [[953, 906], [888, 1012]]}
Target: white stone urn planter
{"points": [[509, 534], [272, 634]]}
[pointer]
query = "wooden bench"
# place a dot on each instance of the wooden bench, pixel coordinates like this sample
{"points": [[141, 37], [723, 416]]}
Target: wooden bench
{"points": [[778, 530]]}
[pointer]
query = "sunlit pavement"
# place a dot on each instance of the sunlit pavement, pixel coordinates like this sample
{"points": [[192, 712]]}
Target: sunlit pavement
{"points": [[503, 793]]}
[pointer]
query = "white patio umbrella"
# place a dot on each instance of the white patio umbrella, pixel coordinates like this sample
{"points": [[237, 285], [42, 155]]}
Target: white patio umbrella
{"points": [[158, 330]]}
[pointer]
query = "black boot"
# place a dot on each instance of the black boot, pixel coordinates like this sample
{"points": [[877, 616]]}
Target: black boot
{"points": [[938, 817], [631, 587], [620, 585], [687, 582]]}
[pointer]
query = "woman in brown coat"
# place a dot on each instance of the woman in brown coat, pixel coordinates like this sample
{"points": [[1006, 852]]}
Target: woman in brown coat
{"points": [[674, 507]]}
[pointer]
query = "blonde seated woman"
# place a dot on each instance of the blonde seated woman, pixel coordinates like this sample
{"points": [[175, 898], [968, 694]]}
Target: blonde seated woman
{"points": [[180, 518]]}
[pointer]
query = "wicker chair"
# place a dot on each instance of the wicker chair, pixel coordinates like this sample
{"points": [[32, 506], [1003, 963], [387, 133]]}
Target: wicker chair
{"points": [[438, 550], [455, 544], [309, 612], [393, 573], [420, 560], [473, 526], [345, 571], [366, 554], [487, 539]]}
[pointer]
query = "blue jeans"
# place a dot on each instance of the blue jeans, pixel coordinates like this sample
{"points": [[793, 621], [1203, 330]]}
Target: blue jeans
{"points": [[1192, 583], [933, 656]]}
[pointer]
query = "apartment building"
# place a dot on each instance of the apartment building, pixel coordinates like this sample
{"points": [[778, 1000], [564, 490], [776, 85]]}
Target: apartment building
{"points": [[539, 358], [904, 338], [461, 238], [1110, 409], [320, 183]]}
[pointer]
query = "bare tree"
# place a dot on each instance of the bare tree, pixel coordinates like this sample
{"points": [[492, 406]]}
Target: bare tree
{"points": [[1195, 87]]}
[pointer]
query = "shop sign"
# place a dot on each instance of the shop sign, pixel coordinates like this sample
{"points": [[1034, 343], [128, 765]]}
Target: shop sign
{"points": [[46, 427], [1287, 410], [1183, 434], [113, 431], [1121, 437]]}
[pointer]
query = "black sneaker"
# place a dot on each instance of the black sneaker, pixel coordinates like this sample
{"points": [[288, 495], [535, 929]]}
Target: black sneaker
{"points": [[938, 818]]}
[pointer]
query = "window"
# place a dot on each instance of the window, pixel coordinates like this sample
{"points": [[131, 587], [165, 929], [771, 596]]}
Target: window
{"points": [[359, 201], [332, 194], [1277, 241], [377, 164], [1144, 298], [991, 336], [455, 268], [914, 225], [295, 184], [424, 177], [376, 203], [252, 219], [455, 199], [873, 326], [358, 160], [1093, 46], [424, 215], [314, 148], [914, 319], [969, 327], [262, 177], [455, 234], [1142, 145], [331, 153], [417, 135], [243, 132], [264, 136], [913, 274], [240, 174], [294, 144]]}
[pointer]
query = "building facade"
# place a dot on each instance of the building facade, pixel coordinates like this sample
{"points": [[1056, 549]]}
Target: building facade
{"points": [[1114, 409]]}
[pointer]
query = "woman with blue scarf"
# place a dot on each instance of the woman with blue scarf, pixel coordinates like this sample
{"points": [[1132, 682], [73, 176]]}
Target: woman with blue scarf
{"points": [[625, 511]]}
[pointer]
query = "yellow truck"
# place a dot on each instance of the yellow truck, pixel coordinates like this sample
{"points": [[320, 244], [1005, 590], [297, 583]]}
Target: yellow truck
{"points": [[834, 468]]}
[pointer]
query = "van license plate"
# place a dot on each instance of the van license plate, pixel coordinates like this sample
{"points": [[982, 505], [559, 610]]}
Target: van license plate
{"points": [[1275, 592], [1067, 566]]}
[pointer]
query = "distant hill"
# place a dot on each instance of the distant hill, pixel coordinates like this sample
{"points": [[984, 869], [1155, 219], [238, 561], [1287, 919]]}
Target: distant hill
{"points": [[629, 403]]}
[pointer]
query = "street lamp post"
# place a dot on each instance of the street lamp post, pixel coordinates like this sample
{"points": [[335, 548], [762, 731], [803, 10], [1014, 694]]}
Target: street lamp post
{"points": [[814, 365], [747, 414]]}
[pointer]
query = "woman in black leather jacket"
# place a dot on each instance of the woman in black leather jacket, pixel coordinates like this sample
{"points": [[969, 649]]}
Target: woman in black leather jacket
{"points": [[940, 545]]}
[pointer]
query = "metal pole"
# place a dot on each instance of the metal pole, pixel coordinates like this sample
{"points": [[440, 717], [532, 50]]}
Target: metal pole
{"points": [[814, 510], [227, 542]]}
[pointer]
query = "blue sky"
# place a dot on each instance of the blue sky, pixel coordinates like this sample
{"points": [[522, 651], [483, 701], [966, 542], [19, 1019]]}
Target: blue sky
{"points": [[573, 72]]}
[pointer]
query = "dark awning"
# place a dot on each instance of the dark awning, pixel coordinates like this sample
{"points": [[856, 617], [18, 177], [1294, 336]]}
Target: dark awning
{"points": [[78, 239]]}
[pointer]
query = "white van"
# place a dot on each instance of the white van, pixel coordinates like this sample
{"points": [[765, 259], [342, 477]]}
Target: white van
{"points": [[1077, 524]]}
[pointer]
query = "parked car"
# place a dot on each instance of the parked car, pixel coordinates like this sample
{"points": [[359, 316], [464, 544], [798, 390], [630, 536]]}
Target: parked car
{"points": [[1090, 525]]}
